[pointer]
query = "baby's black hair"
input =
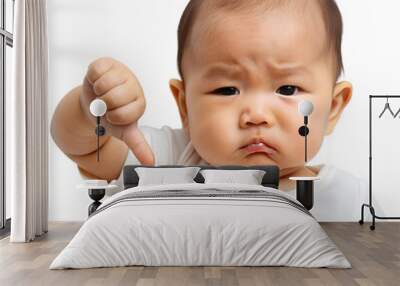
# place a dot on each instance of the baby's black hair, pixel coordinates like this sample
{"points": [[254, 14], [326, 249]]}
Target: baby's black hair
{"points": [[330, 12]]}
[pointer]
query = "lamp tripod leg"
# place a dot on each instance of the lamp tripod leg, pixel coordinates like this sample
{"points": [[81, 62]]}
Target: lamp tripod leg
{"points": [[305, 149]]}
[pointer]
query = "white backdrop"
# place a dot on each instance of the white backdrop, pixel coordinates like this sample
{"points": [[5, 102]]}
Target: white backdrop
{"points": [[143, 34]]}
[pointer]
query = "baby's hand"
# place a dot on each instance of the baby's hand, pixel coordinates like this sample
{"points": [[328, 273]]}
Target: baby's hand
{"points": [[114, 83]]}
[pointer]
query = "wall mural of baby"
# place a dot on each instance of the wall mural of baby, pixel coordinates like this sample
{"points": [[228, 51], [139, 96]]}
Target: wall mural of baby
{"points": [[244, 68]]}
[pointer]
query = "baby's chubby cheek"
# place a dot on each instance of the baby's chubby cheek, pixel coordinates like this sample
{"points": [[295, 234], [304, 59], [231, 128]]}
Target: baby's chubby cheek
{"points": [[317, 125], [214, 136]]}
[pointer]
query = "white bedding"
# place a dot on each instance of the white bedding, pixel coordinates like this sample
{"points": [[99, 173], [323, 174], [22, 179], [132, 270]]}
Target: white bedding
{"points": [[222, 226]]}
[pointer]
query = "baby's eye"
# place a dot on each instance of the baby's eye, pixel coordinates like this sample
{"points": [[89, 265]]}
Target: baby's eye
{"points": [[230, 90], [287, 90]]}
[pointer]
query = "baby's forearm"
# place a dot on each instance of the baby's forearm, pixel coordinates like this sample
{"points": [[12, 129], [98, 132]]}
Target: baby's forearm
{"points": [[71, 129]]}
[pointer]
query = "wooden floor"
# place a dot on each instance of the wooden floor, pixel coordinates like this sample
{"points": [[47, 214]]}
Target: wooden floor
{"points": [[374, 255]]}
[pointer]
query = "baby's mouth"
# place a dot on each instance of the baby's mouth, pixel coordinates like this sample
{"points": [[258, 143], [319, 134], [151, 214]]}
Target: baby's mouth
{"points": [[259, 147]]}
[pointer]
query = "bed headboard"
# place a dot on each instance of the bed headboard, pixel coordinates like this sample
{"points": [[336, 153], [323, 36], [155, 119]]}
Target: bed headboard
{"points": [[270, 179]]}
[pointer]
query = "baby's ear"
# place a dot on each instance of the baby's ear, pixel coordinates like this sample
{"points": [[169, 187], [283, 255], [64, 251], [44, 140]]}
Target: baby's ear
{"points": [[342, 94], [178, 91]]}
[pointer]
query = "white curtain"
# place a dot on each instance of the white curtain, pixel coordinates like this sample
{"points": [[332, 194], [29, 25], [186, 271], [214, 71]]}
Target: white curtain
{"points": [[27, 123]]}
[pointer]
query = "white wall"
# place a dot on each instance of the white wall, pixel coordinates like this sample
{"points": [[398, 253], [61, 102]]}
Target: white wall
{"points": [[142, 34]]}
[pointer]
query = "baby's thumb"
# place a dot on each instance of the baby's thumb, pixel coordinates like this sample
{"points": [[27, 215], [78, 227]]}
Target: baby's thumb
{"points": [[137, 143]]}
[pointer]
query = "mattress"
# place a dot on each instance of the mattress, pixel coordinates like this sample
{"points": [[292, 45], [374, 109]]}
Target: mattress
{"points": [[201, 225]]}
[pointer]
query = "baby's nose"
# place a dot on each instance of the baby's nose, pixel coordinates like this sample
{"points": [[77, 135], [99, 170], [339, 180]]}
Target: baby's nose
{"points": [[253, 116], [256, 111], [254, 119]]}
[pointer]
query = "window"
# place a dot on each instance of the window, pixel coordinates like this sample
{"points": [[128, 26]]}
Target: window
{"points": [[6, 44]]}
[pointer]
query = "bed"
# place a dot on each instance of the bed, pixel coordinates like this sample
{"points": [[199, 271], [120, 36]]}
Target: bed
{"points": [[201, 223]]}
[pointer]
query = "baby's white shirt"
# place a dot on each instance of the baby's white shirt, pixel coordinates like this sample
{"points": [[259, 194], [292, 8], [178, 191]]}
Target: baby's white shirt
{"points": [[338, 195]]}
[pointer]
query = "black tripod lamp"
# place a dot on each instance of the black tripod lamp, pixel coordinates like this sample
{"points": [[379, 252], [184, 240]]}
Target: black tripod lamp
{"points": [[305, 185], [98, 108]]}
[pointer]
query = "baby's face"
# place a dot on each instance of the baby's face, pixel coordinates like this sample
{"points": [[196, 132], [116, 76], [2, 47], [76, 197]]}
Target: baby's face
{"points": [[244, 76]]}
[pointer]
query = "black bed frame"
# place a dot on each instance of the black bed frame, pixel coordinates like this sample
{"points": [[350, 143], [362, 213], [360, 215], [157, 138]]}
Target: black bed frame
{"points": [[270, 179]]}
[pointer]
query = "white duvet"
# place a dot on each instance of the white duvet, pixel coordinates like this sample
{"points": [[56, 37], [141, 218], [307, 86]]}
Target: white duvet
{"points": [[222, 225]]}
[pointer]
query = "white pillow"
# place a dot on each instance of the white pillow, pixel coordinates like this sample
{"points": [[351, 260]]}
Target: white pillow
{"points": [[248, 177], [161, 176]]}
